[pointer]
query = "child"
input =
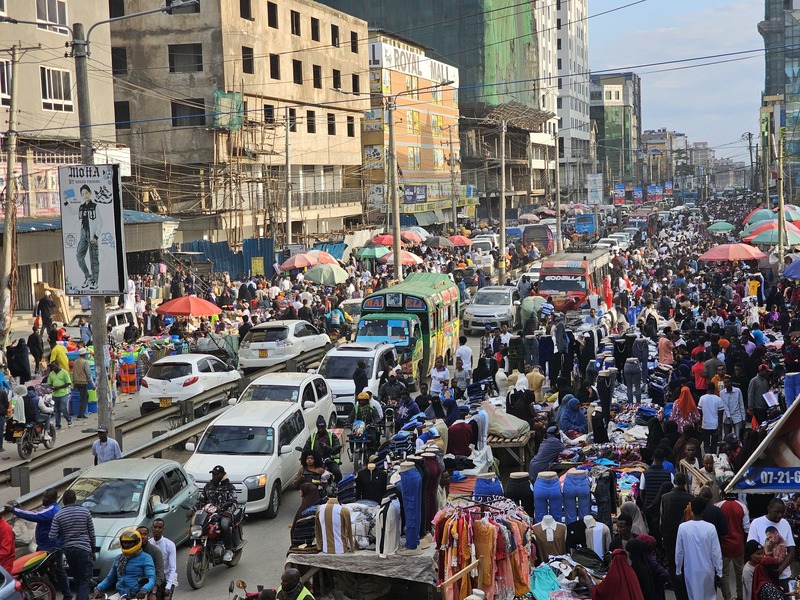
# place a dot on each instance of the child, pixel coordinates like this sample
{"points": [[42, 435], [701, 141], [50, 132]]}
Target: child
{"points": [[753, 553]]}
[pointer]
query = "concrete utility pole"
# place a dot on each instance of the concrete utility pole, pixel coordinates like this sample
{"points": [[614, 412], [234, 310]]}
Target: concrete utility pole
{"points": [[559, 234], [781, 214], [453, 194], [394, 194], [501, 278], [288, 168], [749, 137]]}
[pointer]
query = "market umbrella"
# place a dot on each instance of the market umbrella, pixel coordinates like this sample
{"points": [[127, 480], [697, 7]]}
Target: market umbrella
{"points": [[298, 261], [420, 231], [460, 240], [189, 306], [528, 218], [548, 212], [722, 226], [751, 227], [763, 226], [792, 214], [530, 305], [323, 258], [793, 270], [372, 252], [385, 239], [580, 206], [407, 258], [575, 211], [439, 241], [327, 274], [412, 237], [761, 214], [730, 252], [770, 238]]}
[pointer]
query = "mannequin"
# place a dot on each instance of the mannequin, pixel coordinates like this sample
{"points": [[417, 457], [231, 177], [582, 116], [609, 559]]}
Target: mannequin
{"points": [[598, 535], [520, 490], [535, 382], [424, 526], [547, 498], [334, 529], [604, 391], [550, 537], [434, 476], [410, 488], [633, 378], [487, 485], [614, 374], [641, 352], [577, 495], [371, 483], [387, 526], [597, 424]]}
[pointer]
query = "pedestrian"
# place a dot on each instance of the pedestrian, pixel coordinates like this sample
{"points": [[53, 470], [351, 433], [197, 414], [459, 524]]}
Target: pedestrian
{"points": [[81, 378], [19, 363], [698, 556], [774, 533], [158, 561], [36, 348], [104, 448], [45, 309], [73, 524], [360, 377], [673, 506], [711, 412], [291, 588], [170, 554], [59, 380], [732, 544]]}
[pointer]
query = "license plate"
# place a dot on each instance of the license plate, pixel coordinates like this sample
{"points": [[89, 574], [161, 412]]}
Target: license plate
{"points": [[263, 353], [165, 402], [342, 410], [18, 433]]}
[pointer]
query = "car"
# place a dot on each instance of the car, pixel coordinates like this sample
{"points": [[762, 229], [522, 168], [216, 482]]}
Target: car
{"points": [[268, 344], [172, 379], [632, 231], [602, 246], [622, 240], [255, 442], [117, 319], [340, 362], [614, 243], [126, 493], [352, 308], [8, 586], [491, 305], [308, 391], [492, 238]]}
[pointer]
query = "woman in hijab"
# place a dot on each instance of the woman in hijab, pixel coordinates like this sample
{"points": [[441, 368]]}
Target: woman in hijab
{"points": [[573, 421], [621, 582], [651, 575], [309, 494], [684, 410], [655, 433], [765, 580], [443, 408], [671, 433], [630, 509], [20, 363], [689, 436]]}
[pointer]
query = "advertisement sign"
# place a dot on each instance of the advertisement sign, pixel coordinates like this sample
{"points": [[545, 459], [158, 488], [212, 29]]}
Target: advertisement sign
{"points": [[257, 265], [373, 157], [638, 198], [412, 63], [659, 193], [668, 189], [619, 194], [92, 231], [654, 193], [594, 185]]}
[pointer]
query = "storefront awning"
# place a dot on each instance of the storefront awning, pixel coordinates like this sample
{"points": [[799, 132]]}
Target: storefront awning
{"points": [[429, 217]]}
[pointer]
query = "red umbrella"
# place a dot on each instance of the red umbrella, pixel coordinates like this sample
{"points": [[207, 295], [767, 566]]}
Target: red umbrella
{"points": [[548, 212], [407, 258], [385, 239], [299, 261], [769, 226], [411, 237], [189, 306], [323, 258], [730, 252], [460, 240]]}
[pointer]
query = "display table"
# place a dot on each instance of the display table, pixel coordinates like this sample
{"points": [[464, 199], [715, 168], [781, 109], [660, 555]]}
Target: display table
{"points": [[520, 448]]}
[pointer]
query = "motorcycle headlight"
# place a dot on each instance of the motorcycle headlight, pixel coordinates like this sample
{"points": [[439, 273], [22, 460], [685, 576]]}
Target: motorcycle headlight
{"points": [[115, 545], [196, 531], [255, 481]]}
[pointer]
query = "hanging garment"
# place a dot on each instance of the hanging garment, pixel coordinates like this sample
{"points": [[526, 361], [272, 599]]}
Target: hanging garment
{"points": [[410, 487], [486, 488], [387, 527], [550, 542], [577, 497], [425, 518], [632, 371], [430, 492], [598, 538], [334, 529], [519, 490], [371, 484]]}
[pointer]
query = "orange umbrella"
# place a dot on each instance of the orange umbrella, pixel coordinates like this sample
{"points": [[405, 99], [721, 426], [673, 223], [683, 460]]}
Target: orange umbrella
{"points": [[411, 237], [770, 226], [460, 240], [323, 258], [407, 258], [299, 261], [385, 239], [189, 306], [731, 252]]}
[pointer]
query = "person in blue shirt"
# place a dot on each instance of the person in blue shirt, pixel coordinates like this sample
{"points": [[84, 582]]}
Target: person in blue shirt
{"points": [[128, 568]]}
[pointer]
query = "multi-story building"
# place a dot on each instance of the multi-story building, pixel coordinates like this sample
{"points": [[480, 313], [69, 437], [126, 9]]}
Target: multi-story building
{"points": [[702, 159], [574, 131], [545, 143], [729, 173], [616, 110], [207, 98], [426, 131], [657, 148]]}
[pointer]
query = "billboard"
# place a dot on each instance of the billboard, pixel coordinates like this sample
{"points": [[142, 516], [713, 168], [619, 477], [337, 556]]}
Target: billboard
{"points": [[594, 184], [668, 189], [638, 198], [92, 230], [619, 194], [655, 193]]}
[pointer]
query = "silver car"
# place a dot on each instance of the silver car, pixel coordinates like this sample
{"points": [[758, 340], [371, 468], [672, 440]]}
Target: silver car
{"points": [[492, 305]]}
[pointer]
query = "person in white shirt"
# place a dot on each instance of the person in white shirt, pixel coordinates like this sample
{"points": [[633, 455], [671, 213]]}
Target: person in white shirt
{"points": [[505, 335], [734, 414], [778, 543], [440, 377], [464, 352], [285, 284], [711, 409], [169, 552]]}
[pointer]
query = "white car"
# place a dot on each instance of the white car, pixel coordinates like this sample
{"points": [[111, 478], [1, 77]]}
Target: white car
{"points": [[174, 378], [307, 391], [491, 305], [117, 319], [275, 342], [340, 362], [622, 240], [255, 442]]}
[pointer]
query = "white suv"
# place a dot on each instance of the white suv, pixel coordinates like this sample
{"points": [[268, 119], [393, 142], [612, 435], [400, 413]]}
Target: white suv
{"points": [[275, 342]]}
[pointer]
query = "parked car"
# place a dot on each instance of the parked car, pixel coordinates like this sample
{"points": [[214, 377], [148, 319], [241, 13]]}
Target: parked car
{"points": [[275, 342], [612, 242], [622, 240], [131, 492], [116, 318], [491, 305], [8, 586], [172, 379], [255, 442], [340, 362], [308, 391]]}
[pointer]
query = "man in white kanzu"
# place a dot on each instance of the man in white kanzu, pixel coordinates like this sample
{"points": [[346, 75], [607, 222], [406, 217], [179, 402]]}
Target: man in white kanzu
{"points": [[440, 377], [698, 556]]}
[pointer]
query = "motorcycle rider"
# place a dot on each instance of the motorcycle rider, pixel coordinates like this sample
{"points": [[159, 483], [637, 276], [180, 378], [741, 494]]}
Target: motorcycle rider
{"points": [[37, 411], [335, 319], [220, 492], [328, 446], [392, 389], [128, 568], [364, 411], [291, 588]]}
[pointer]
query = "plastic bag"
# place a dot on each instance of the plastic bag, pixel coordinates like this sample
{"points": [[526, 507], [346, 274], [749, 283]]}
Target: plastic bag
{"points": [[504, 425]]}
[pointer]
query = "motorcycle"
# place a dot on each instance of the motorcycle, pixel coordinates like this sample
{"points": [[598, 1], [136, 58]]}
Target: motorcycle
{"points": [[359, 444], [327, 488], [35, 574], [117, 596], [208, 548], [30, 435], [243, 586]]}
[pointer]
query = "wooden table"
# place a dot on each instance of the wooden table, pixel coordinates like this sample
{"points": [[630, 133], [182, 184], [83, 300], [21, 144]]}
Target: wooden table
{"points": [[520, 448]]}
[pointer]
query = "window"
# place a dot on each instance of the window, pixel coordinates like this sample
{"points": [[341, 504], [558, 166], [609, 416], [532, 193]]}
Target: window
{"points": [[176, 480], [559, 83], [119, 61], [436, 95], [351, 127], [52, 15], [246, 9], [248, 60], [184, 10], [274, 66], [356, 84], [5, 82], [116, 8], [269, 113], [292, 120], [308, 395], [558, 44], [56, 89], [616, 95], [558, 103], [413, 158], [558, 23], [185, 58], [295, 18], [317, 70], [122, 115], [297, 71], [412, 121], [331, 124], [321, 388], [608, 94], [354, 42], [272, 15], [335, 36], [412, 85], [204, 366], [337, 79], [311, 121], [189, 113], [315, 29], [558, 64]]}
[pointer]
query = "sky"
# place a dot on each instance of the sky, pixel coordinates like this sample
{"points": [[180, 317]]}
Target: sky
{"points": [[715, 103]]}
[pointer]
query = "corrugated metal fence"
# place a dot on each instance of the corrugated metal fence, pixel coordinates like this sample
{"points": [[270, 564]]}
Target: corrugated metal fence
{"points": [[235, 263]]}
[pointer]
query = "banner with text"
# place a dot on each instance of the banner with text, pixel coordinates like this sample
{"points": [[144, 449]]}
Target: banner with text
{"points": [[594, 185], [668, 189], [638, 198], [619, 194]]}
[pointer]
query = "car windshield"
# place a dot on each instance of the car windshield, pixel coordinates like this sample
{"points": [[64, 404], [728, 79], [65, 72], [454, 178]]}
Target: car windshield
{"points": [[169, 370], [271, 334], [109, 497], [342, 367], [237, 439], [76, 319], [562, 283], [394, 331], [352, 308], [482, 245], [491, 298], [274, 393]]}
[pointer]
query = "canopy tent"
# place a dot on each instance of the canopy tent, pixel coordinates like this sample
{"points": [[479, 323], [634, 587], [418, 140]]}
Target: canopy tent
{"points": [[372, 252]]}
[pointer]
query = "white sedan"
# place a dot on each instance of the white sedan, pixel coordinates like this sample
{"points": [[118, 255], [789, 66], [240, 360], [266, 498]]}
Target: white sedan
{"points": [[174, 378], [275, 342]]}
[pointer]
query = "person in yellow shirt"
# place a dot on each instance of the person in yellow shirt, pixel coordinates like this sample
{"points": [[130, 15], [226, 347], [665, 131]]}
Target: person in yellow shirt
{"points": [[58, 353]]}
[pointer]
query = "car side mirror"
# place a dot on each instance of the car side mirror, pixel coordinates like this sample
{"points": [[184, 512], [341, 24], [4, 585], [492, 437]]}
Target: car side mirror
{"points": [[287, 449], [232, 401], [308, 404], [189, 446], [161, 509]]}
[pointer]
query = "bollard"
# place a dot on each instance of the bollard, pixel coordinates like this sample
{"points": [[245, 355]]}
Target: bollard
{"points": [[118, 437], [155, 435], [21, 478], [69, 470]]}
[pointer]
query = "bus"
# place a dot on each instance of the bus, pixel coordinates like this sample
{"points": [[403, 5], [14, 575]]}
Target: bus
{"points": [[420, 316], [585, 223], [567, 278], [644, 220], [542, 235]]}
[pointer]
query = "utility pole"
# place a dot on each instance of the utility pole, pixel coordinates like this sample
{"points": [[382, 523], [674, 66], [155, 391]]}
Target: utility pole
{"points": [[395, 196], [501, 276], [749, 137], [453, 194], [559, 237], [9, 227], [288, 183], [781, 214]]}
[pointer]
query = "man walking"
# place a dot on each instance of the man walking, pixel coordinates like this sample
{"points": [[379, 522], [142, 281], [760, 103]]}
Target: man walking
{"points": [[774, 533], [698, 556], [36, 348], [733, 410], [105, 449], [169, 552], [673, 505], [73, 524], [81, 377], [45, 309], [60, 381], [732, 543]]}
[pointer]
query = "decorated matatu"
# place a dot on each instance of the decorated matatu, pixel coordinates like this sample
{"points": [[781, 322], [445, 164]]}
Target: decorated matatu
{"points": [[775, 465]]}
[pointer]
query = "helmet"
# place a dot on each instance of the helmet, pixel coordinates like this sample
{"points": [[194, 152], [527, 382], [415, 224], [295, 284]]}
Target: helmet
{"points": [[130, 541], [358, 429], [363, 396]]}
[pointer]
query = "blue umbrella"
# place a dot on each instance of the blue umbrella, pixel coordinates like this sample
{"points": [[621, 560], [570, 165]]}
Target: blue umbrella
{"points": [[793, 270]]}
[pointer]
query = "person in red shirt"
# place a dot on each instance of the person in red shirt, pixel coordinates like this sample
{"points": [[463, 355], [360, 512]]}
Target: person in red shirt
{"points": [[8, 548], [698, 371], [732, 544]]}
